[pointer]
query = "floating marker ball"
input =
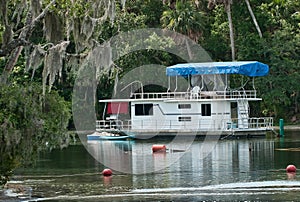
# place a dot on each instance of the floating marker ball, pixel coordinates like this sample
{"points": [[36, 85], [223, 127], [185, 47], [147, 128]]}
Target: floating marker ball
{"points": [[107, 172], [291, 169], [159, 148]]}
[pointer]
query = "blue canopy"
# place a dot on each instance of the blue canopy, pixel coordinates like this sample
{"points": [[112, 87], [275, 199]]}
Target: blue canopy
{"points": [[247, 68]]}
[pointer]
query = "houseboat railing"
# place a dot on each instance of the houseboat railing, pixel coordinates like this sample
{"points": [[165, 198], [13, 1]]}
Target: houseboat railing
{"points": [[213, 124], [234, 94]]}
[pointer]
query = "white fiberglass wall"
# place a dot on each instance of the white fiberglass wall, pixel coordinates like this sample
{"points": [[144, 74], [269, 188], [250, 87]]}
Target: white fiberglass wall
{"points": [[163, 115]]}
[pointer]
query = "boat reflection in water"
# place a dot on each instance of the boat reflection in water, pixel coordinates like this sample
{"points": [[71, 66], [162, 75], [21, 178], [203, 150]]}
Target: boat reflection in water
{"points": [[238, 157], [113, 154]]}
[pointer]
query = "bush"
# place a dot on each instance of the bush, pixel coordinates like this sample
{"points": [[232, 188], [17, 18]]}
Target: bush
{"points": [[29, 122]]}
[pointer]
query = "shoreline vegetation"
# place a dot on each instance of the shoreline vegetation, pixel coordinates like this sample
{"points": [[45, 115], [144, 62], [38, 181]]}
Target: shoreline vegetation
{"points": [[288, 127]]}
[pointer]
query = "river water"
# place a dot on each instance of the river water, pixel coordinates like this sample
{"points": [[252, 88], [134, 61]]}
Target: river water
{"points": [[230, 170]]}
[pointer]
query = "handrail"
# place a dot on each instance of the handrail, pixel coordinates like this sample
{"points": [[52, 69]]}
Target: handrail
{"points": [[226, 124], [236, 94]]}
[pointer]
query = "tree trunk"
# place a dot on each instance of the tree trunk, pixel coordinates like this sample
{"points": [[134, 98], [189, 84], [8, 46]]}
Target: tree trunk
{"points": [[10, 64], [228, 11], [296, 103], [253, 18]]}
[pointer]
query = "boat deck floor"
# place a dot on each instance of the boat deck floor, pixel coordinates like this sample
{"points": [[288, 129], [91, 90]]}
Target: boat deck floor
{"points": [[144, 134]]}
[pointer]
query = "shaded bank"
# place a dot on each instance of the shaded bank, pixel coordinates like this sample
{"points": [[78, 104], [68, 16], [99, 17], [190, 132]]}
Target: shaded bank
{"points": [[29, 123]]}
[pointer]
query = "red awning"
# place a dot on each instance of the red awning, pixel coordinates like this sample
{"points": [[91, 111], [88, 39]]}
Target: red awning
{"points": [[117, 108]]}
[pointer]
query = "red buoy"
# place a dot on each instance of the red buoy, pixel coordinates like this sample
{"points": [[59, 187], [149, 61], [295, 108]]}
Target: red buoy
{"points": [[291, 169], [159, 148], [107, 172]]}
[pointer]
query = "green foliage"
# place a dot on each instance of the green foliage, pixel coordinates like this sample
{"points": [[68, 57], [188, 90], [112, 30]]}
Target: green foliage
{"points": [[216, 40], [279, 49], [150, 9], [124, 21], [185, 19], [29, 122], [284, 59]]}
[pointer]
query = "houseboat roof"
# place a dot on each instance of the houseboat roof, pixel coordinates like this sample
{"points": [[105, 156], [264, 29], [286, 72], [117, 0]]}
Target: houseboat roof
{"points": [[247, 68]]}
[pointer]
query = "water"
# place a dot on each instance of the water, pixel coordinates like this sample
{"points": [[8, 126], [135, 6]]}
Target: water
{"points": [[234, 170]]}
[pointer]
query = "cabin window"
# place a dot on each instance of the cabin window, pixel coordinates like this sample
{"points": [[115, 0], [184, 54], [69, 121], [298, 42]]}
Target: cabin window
{"points": [[184, 118], [184, 106], [206, 109], [144, 109]]}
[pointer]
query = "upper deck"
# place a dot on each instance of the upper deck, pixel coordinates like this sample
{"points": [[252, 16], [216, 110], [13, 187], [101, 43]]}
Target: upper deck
{"points": [[220, 95], [201, 85], [233, 95]]}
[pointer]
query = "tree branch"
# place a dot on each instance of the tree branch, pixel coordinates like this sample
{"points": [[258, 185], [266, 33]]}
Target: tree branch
{"points": [[10, 64], [15, 46], [42, 15], [25, 33], [11, 46]]}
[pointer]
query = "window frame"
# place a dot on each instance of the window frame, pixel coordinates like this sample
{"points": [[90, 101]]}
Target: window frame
{"points": [[184, 119], [145, 109], [206, 110], [184, 106]]}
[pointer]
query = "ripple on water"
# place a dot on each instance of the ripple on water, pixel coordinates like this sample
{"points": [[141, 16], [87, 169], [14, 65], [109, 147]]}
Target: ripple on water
{"points": [[254, 186], [245, 190]]}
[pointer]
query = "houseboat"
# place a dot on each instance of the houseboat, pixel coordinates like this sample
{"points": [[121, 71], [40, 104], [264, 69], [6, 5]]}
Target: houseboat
{"points": [[207, 106]]}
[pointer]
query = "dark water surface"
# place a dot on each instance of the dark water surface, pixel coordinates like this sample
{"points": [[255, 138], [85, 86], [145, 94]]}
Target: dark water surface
{"points": [[233, 170]]}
